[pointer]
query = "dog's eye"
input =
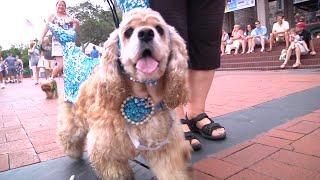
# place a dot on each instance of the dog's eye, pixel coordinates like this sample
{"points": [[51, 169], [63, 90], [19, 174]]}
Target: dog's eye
{"points": [[160, 30], [128, 33]]}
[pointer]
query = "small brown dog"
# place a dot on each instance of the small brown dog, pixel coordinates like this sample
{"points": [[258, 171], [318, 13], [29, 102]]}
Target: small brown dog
{"points": [[143, 50], [50, 88]]}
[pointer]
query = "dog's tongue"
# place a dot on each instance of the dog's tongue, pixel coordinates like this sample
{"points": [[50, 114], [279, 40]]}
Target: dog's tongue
{"points": [[147, 65]]}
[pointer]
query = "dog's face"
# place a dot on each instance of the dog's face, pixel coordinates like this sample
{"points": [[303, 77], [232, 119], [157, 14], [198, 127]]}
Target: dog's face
{"points": [[144, 40]]}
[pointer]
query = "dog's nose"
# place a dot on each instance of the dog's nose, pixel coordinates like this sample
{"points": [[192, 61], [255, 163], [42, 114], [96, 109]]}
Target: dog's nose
{"points": [[146, 35]]}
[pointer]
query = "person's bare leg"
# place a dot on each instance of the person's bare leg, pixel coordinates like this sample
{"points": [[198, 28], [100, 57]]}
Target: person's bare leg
{"points": [[249, 45], [243, 45], [200, 82], [298, 57], [286, 37], [262, 41], [272, 38], [58, 69], [288, 55], [222, 47], [253, 44], [35, 71]]}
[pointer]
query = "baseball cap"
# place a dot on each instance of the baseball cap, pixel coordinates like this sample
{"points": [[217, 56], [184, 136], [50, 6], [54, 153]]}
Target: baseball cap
{"points": [[301, 25]]}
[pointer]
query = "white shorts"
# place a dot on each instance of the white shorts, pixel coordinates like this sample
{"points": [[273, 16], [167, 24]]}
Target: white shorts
{"points": [[56, 49], [303, 50]]}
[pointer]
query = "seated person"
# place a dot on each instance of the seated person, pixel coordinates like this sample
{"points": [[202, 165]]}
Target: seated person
{"points": [[279, 31], [298, 48], [224, 40], [259, 36], [248, 37], [296, 40], [236, 40]]}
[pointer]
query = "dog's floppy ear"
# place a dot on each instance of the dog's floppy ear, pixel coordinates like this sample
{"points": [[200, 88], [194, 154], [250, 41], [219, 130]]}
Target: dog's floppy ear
{"points": [[111, 86], [176, 92]]}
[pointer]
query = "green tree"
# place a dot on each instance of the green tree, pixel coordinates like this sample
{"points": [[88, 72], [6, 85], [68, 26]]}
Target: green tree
{"points": [[95, 23], [18, 50]]}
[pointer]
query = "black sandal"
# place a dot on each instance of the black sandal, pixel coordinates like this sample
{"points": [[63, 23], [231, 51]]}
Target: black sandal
{"points": [[206, 130], [190, 136]]}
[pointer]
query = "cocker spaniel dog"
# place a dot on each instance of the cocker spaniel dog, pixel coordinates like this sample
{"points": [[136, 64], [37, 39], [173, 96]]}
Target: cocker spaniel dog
{"points": [[50, 88], [126, 106]]}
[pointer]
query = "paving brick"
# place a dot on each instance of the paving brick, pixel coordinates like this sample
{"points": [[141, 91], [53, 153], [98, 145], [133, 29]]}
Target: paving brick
{"points": [[6, 129], [250, 155], [250, 175], [42, 140], [46, 147], [281, 171], [313, 117], [304, 127], [197, 175], [22, 158], [226, 152], [217, 168], [289, 124], [15, 146], [15, 122], [51, 155], [310, 144], [297, 159], [2, 138], [16, 134], [284, 134], [4, 162], [272, 141]]}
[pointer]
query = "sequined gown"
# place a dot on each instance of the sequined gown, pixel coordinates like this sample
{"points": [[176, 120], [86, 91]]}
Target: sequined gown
{"points": [[76, 66]]}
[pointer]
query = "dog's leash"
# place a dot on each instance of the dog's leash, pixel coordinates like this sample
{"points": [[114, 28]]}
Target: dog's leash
{"points": [[114, 13]]}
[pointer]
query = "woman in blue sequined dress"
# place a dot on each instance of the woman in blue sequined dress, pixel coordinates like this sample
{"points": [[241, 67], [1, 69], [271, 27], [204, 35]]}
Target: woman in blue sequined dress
{"points": [[63, 20]]}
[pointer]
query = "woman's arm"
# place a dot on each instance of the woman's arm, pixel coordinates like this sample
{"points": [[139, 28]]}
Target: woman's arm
{"points": [[45, 30]]}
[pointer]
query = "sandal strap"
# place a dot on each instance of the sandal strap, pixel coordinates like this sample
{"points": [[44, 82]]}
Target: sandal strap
{"points": [[193, 121], [209, 128], [184, 121], [199, 117], [189, 135]]}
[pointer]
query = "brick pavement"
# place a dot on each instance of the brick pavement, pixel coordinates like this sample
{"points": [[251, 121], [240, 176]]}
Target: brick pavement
{"points": [[290, 151], [28, 123]]}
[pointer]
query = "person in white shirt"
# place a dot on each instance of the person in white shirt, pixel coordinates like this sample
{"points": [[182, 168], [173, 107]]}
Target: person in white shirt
{"points": [[279, 31]]}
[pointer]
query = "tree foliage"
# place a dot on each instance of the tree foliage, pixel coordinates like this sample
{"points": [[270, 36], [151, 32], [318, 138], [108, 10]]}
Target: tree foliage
{"points": [[95, 23], [18, 50]]}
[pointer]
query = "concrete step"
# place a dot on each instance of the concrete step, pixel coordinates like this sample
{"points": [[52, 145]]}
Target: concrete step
{"points": [[267, 68], [263, 57], [268, 62]]}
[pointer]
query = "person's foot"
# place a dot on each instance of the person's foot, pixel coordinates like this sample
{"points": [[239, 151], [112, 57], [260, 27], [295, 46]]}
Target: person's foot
{"points": [[312, 53], [248, 51], [262, 50], [283, 66], [36, 83], [2, 86], [296, 65], [207, 127], [269, 50], [189, 136]]}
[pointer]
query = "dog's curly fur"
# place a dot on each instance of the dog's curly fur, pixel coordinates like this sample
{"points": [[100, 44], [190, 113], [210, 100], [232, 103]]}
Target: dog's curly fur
{"points": [[97, 116], [50, 88]]}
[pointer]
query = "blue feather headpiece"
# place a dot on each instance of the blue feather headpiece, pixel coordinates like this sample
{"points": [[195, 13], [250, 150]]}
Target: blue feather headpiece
{"points": [[127, 5]]}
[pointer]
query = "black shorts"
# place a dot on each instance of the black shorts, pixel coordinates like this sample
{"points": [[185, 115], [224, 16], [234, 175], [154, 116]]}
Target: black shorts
{"points": [[199, 22]]}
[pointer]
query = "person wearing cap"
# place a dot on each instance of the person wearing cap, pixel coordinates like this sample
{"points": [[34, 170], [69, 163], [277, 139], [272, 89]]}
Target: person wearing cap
{"points": [[279, 31], [306, 36], [299, 49]]}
